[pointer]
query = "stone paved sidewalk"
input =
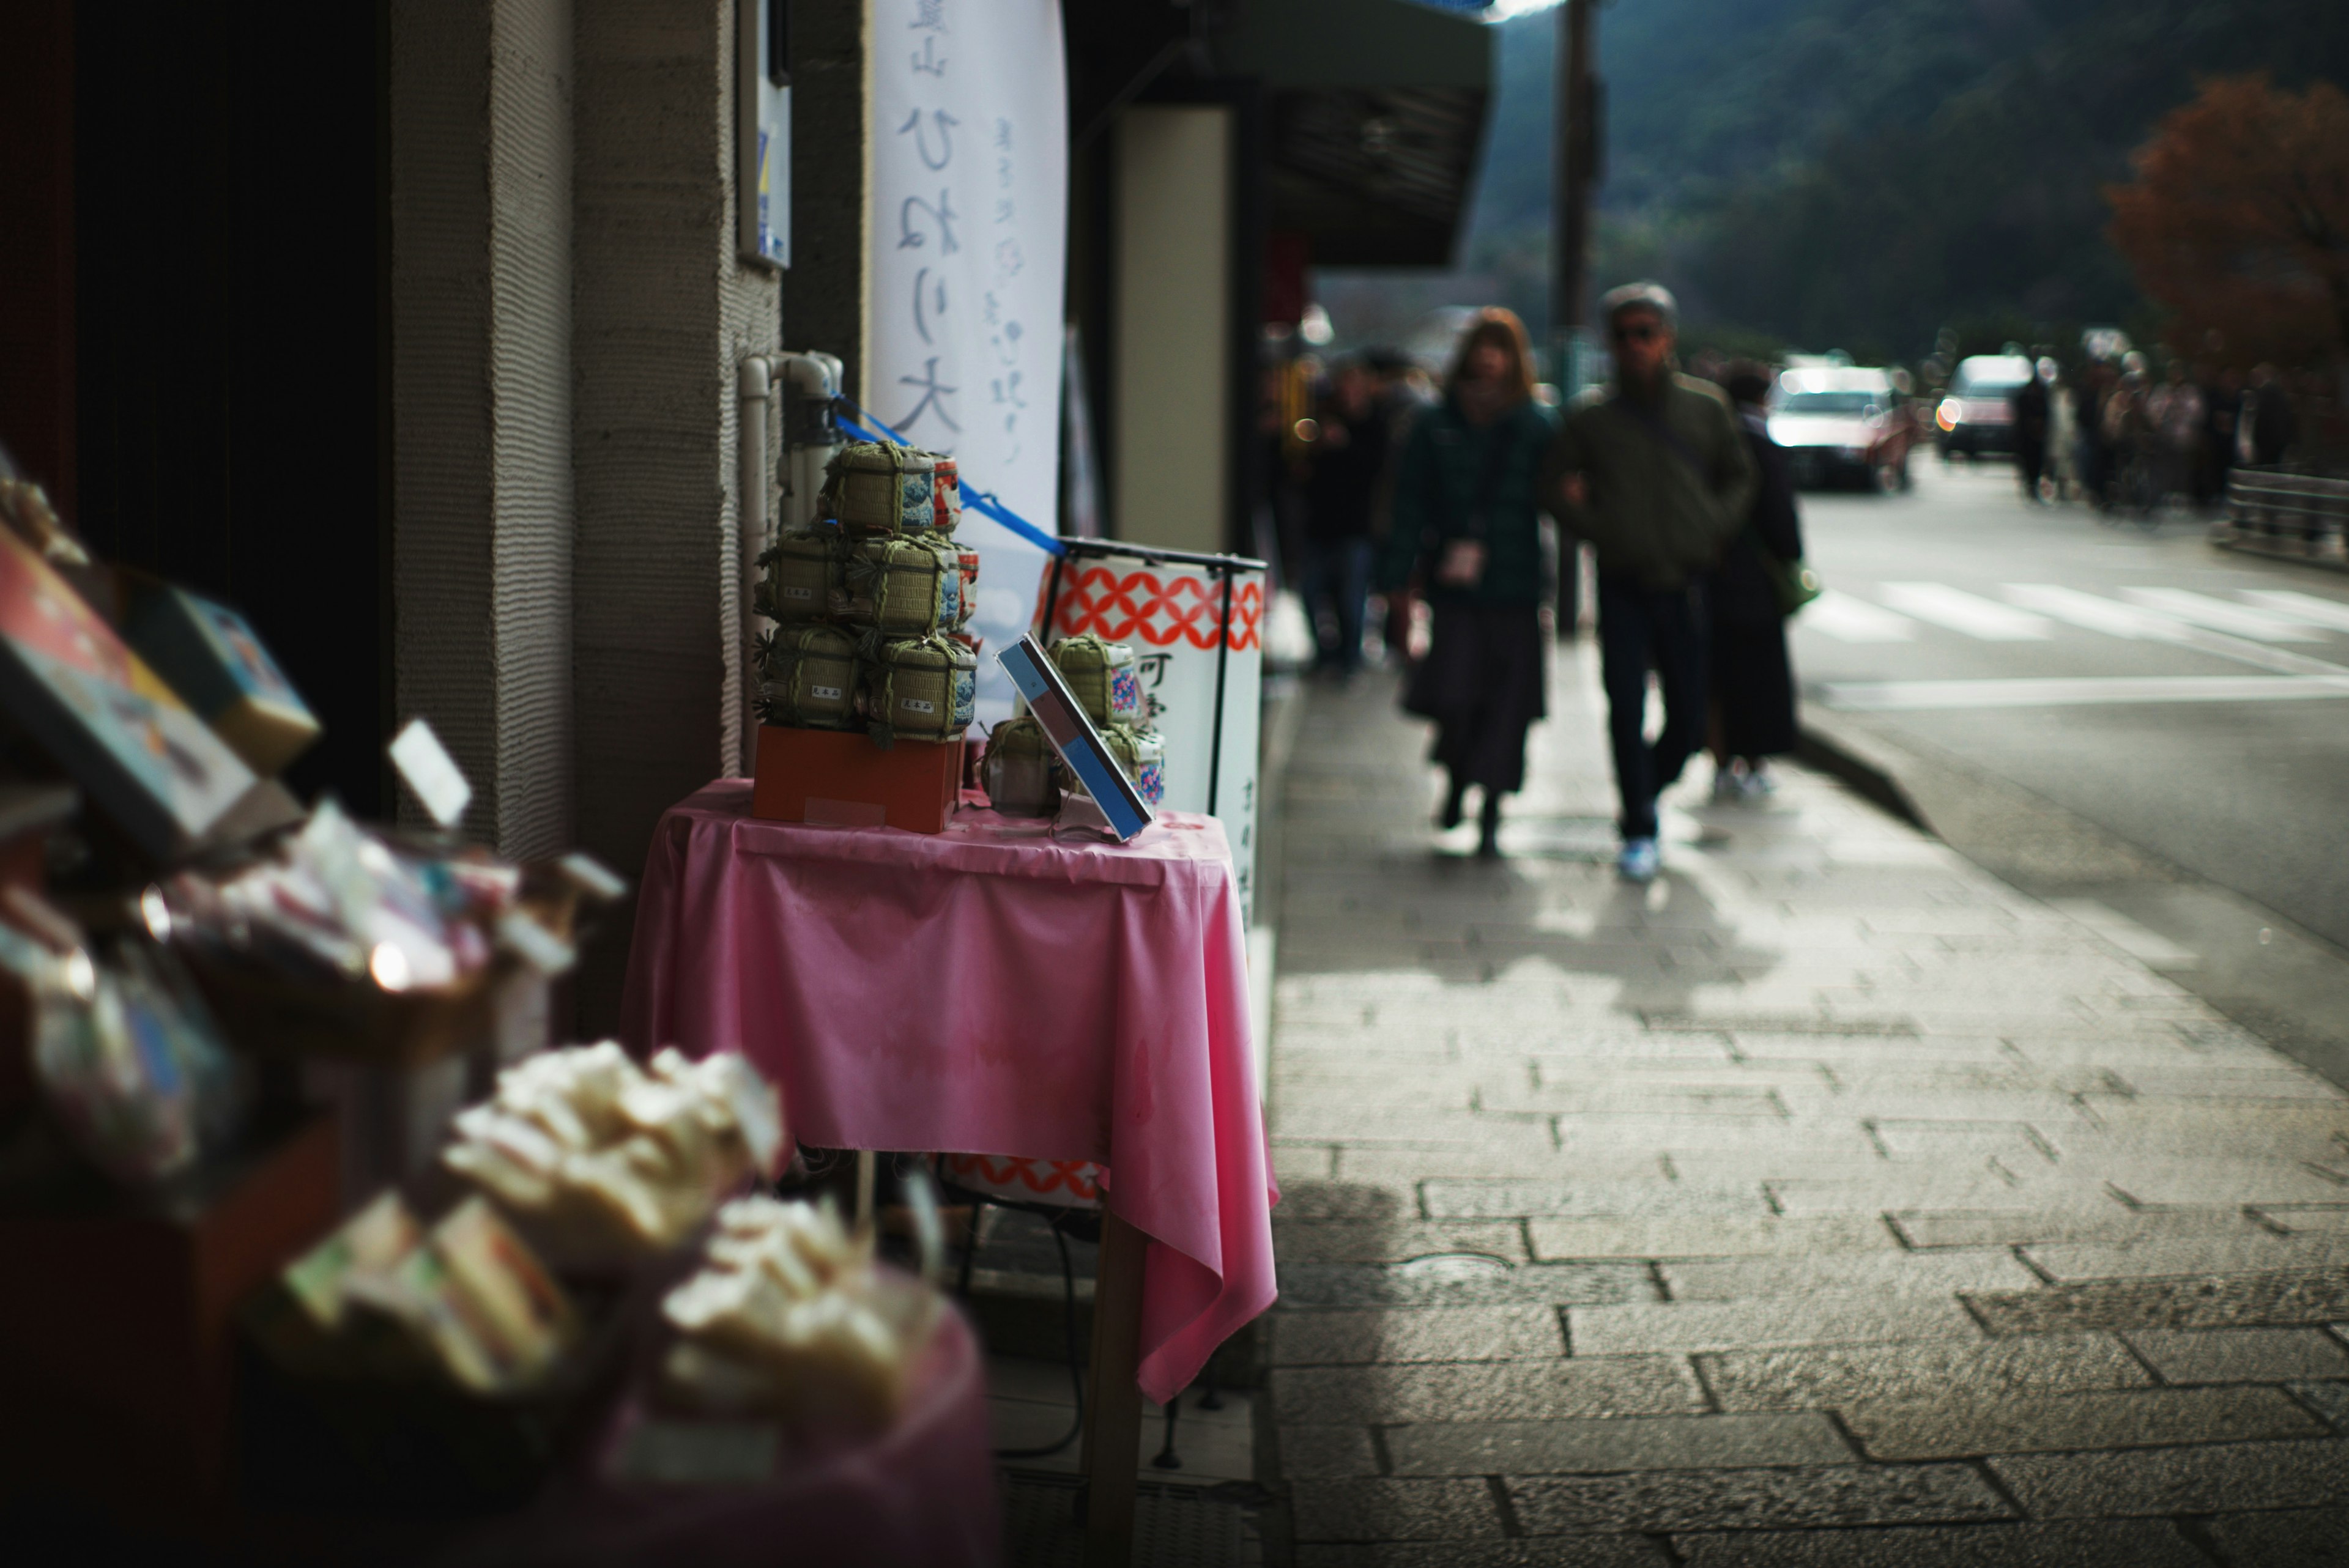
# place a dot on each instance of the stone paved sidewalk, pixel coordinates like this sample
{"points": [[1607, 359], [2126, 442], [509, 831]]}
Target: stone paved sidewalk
{"points": [[1829, 1202]]}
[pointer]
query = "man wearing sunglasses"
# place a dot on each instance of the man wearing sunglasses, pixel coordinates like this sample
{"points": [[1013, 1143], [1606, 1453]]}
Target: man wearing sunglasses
{"points": [[1653, 473]]}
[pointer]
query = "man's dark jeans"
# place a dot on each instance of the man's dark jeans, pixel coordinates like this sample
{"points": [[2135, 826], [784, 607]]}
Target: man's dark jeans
{"points": [[1640, 630]]}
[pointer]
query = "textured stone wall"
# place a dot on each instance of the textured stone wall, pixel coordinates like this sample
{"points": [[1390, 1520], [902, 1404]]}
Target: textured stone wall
{"points": [[663, 311], [482, 314]]}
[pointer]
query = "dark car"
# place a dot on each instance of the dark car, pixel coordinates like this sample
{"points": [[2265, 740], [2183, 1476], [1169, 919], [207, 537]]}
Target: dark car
{"points": [[1976, 419]]}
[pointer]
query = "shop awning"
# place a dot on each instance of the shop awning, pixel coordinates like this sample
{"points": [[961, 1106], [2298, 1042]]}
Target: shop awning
{"points": [[1377, 109]]}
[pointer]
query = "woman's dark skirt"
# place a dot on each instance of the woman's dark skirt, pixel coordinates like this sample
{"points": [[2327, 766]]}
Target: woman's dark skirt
{"points": [[1753, 687], [1483, 683]]}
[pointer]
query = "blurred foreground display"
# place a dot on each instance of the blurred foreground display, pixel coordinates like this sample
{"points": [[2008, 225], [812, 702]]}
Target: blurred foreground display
{"points": [[277, 1281]]}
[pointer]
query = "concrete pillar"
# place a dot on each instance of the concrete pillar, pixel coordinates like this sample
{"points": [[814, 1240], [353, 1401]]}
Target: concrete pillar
{"points": [[480, 204], [665, 309], [1171, 399]]}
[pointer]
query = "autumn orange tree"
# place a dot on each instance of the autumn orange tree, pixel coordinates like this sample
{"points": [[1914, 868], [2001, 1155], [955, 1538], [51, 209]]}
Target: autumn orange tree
{"points": [[2238, 221]]}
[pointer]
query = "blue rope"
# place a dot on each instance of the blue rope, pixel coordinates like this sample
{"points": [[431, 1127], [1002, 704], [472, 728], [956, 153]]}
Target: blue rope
{"points": [[984, 502]]}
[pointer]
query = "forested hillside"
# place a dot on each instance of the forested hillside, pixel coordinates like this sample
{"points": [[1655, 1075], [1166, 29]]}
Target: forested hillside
{"points": [[1859, 173]]}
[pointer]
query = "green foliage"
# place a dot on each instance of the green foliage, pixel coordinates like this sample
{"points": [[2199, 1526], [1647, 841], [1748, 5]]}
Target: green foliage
{"points": [[1860, 174]]}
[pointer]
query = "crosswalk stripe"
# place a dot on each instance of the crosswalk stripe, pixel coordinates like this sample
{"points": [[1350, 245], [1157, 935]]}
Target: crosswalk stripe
{"points": [[2260, 625], [1851, 620], [2087, 610], [1962, 612], [2307, 608]]}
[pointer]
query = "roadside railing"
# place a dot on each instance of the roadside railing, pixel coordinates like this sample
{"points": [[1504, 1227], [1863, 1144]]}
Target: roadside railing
{"points": [[2285, 511]]}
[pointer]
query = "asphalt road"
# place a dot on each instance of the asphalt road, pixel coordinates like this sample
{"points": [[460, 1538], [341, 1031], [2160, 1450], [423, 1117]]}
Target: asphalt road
{"points": [[2057, 651]]}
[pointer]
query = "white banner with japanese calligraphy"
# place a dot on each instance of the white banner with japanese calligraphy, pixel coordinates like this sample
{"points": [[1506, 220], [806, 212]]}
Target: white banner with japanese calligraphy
{"points": [[971, 187]]}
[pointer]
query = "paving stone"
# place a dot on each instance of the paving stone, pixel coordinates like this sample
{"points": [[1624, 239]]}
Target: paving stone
{"points": [[1327, 1452], [1579, 1195], [1906, 1187], [2117, 1544], [1891, 1273], [2228, 1301], [2112, 1223], [1835, 1375], [1420, 1334], [1824, 1318], [1488, 1390], [1350, 1241], [1359, 1201], [1960, 1425], [1653, 1443], [1557, 1551], [1761, 1234], [2329, 1400], [2242, 1354], [1341, 1511], [2254, 1181], [2171, 1481], [1468, 1283], [2245, 1250], [2288, 1538], [1756, 1500]]}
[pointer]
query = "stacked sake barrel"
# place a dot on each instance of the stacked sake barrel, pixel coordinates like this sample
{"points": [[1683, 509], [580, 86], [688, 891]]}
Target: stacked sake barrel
{"points": [[1022, 776], [871, 604]]}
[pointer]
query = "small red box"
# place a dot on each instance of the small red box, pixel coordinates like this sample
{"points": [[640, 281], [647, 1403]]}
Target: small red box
{"points": [[841, 778]]}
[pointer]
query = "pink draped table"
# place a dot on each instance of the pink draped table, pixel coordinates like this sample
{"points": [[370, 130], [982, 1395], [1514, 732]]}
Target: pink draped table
{"points": [[988, 990]]}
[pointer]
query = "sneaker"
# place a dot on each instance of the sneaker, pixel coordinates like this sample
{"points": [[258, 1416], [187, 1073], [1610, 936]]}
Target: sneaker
{"points": [[1639, 859], [1757, 784], [1727, 786]]}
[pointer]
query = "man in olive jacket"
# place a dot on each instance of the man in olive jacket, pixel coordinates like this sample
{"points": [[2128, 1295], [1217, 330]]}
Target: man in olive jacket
{"points": [[1653, 473]]}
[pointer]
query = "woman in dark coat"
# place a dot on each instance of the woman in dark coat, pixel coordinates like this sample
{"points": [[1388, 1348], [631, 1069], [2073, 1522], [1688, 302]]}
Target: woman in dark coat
{"points": [[1753, 680], [1465, 528]]}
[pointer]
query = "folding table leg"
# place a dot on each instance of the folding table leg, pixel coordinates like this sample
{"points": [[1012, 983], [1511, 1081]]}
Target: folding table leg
{"points": [[1114, 1414]]}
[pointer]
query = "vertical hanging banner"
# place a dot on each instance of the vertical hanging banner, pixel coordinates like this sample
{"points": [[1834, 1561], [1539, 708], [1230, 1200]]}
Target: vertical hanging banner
{"points": [[970, 187]]}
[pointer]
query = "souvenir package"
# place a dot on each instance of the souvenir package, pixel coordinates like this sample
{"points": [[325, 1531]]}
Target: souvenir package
{"points": [[370, 1242], [969, 560], [790, 1317], [604, 1159], [126, 1055], [879, 487], [802, 574], [1019, 772], [902, 587], [1140, 752], [946, 495], [809, 678], [338, 902], [920, 689], [473, 1298], [212, 659], [106, 717], [1103, 676]]}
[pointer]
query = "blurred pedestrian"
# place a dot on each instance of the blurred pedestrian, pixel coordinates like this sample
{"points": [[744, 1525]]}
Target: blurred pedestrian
{"points": [[2095, 459], [1345, 461], [2063, 430], [2028, 406], [2269, 423], [1653, 473], [2174, 410], [2223, 408], [1465, 527], [1753, 679]]}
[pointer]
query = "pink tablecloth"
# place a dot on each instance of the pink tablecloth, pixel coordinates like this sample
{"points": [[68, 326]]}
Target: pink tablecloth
{"points": [[987, 992]]}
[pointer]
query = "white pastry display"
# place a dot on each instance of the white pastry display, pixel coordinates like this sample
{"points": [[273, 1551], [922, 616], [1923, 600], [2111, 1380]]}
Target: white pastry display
{"points": [[585, 1144], [789, 1316]]}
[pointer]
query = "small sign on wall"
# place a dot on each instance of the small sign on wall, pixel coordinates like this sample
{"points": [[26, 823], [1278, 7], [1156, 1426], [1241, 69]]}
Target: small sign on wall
{"points": [[762, 113]]}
